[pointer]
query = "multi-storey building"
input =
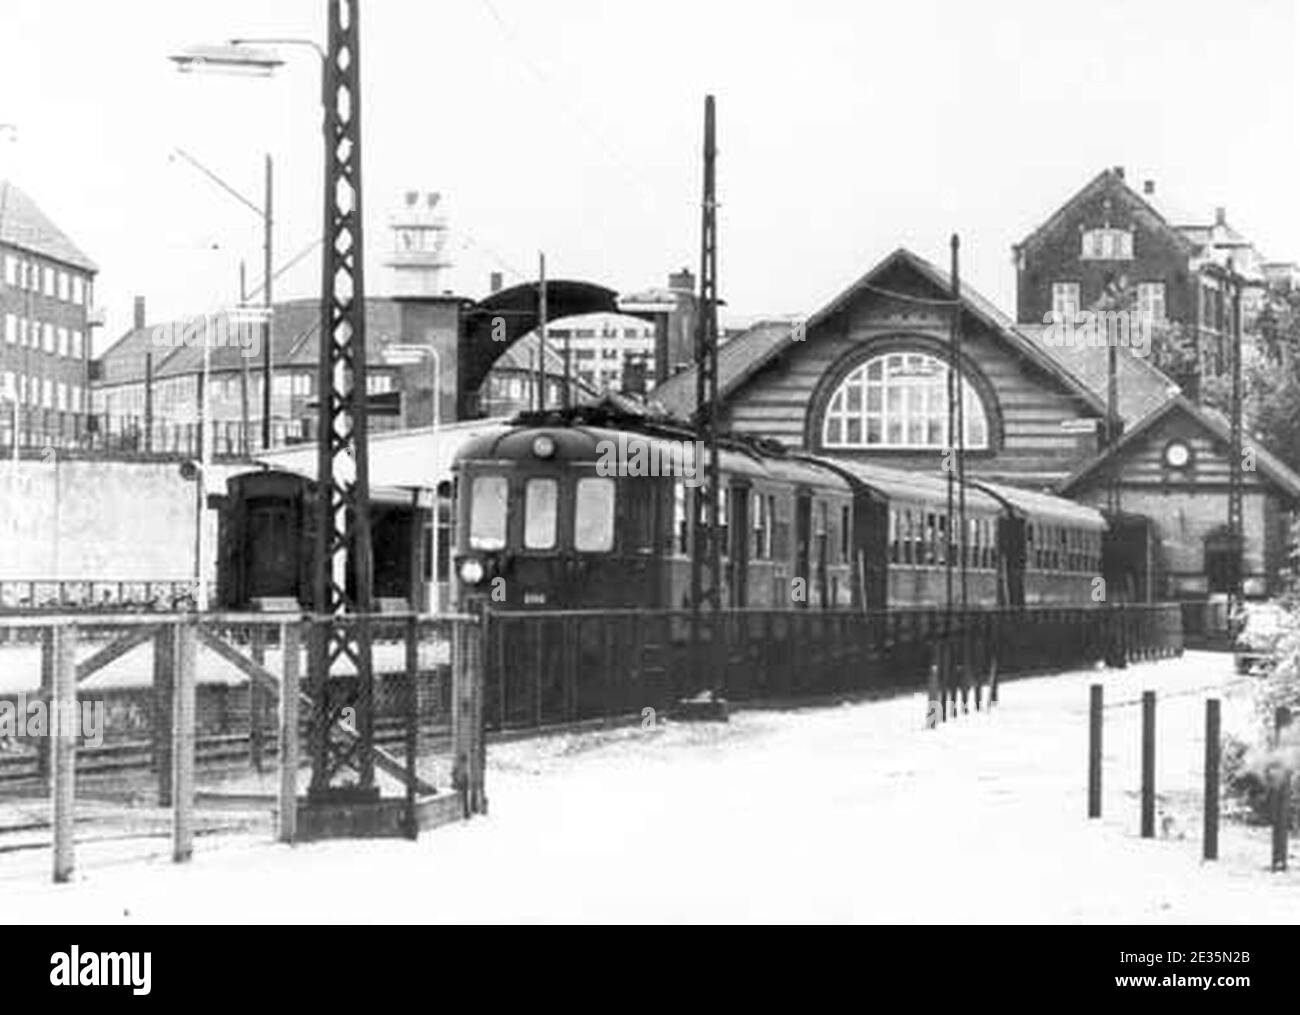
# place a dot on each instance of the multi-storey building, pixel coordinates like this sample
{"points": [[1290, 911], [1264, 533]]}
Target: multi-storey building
{"points": [[46, 295], [607, 351], [1108, 232]]}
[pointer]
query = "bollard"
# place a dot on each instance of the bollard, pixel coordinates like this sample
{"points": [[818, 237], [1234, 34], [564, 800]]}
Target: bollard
{"points": [[933, 706], [1148, 764], [290, 641], [1213, 750], [1094, 751], [1281, 818], [62, 729]]}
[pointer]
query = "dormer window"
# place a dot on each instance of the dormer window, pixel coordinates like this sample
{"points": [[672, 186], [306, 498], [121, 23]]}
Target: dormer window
{"points": [[1107, 245]]}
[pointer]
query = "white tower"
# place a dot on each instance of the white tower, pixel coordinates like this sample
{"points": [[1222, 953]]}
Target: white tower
{"points": [[419, 235]]}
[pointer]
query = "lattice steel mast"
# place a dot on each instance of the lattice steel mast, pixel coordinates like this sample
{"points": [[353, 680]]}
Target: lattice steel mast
{"points": [[341, 671], [708, 552]]}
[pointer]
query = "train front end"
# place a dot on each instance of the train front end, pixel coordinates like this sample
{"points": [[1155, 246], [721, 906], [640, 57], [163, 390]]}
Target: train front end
{"points": [[535, 521]]}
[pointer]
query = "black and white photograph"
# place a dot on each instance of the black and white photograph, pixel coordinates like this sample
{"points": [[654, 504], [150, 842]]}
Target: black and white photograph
{"points": [[573, 463]]}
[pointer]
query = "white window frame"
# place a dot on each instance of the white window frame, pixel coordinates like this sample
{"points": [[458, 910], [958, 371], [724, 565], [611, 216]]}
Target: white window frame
{"points": [[899, 400], [1065, 300], [1151, 299]]}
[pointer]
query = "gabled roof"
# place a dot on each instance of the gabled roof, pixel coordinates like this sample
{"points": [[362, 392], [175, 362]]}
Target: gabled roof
{"points": [[24, 225], [1142, 388], [293, 342], [1109, 179], [1269, 464], [744, 355]]}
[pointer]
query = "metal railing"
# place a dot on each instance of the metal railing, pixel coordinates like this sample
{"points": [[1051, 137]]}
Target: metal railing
{"points": [[554, 667]]}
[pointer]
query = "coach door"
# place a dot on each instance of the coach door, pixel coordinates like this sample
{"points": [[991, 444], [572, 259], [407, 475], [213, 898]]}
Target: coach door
{"points": [[738, 526], [1011, 554], [803, 541]]}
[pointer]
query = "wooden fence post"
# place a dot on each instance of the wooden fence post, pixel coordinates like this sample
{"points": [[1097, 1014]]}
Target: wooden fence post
{"points": [[256, 699], [44, 744], [163, 695], [468, 747], [1148, 764], [1213, 750], [185, 642], [411, 701], [290, 649], [62, 728], [1094, 750]]}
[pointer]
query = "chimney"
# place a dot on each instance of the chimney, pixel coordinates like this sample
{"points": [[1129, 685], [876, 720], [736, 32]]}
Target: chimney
{"points": [[1220, 215], [1148, 187], [682, 281], [1119, 171], [494, 282], [139, 313]]}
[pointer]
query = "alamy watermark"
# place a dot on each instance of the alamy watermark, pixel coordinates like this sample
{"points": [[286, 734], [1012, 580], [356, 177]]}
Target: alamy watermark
{"points": [[1126, 329], [231, 329], [634, 456], [40, 718]]}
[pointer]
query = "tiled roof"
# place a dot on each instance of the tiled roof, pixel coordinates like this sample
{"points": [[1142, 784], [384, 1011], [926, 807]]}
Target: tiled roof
{"points": [[1141, 387], [24, 225], [293, 342], [739, 358], [1139, 204]]}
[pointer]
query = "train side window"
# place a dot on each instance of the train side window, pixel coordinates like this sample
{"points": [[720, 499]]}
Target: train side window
{"points": [[541, 503], [724, 544], [893, 536], [641, 498], [758, 506], [593, 515], [679, 533], [844, 533], [487, 520], [931, 540]]}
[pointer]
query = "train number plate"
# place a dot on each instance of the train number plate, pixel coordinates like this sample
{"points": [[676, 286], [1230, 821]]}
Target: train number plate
{"points": [[534, 598]]}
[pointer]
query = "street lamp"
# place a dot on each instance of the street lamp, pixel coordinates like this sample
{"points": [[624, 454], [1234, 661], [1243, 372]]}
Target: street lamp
{"points": [[409, 354], [265, 214]]}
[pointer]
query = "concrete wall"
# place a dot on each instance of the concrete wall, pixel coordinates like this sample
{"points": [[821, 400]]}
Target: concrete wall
{"points": [[74, 519]]}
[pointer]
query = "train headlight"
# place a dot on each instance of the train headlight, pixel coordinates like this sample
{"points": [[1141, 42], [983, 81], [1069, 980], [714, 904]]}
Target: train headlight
{"points": [[544, 446], [471, 571]]}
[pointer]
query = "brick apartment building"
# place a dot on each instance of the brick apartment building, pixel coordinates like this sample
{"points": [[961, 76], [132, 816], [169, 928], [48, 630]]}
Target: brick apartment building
{"points": [[46, 296], [1174, 260]]}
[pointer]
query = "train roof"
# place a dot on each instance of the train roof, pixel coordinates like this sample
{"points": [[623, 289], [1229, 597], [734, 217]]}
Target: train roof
{"points": [[931, 487], [575, 442], [1044, 507]]}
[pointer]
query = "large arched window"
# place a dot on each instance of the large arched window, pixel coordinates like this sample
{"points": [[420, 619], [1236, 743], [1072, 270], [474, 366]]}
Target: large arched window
{"points": [[899, 400]]}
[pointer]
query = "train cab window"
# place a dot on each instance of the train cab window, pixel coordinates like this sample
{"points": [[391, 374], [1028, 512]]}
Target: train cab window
{"points": [[487, 520], [593, 515], [844, 533], [911, 541], [540, 509], [641, 502]]}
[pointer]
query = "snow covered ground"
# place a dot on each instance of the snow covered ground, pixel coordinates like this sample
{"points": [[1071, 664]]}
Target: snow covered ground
{"points": [[848, 813]]}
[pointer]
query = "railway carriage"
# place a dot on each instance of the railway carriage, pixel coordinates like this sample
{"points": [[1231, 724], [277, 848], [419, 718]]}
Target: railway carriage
{"points": [[590, 517]]}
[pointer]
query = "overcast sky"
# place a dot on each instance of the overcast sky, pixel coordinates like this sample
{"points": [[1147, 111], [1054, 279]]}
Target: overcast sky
{"points": [[845, 129]]}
